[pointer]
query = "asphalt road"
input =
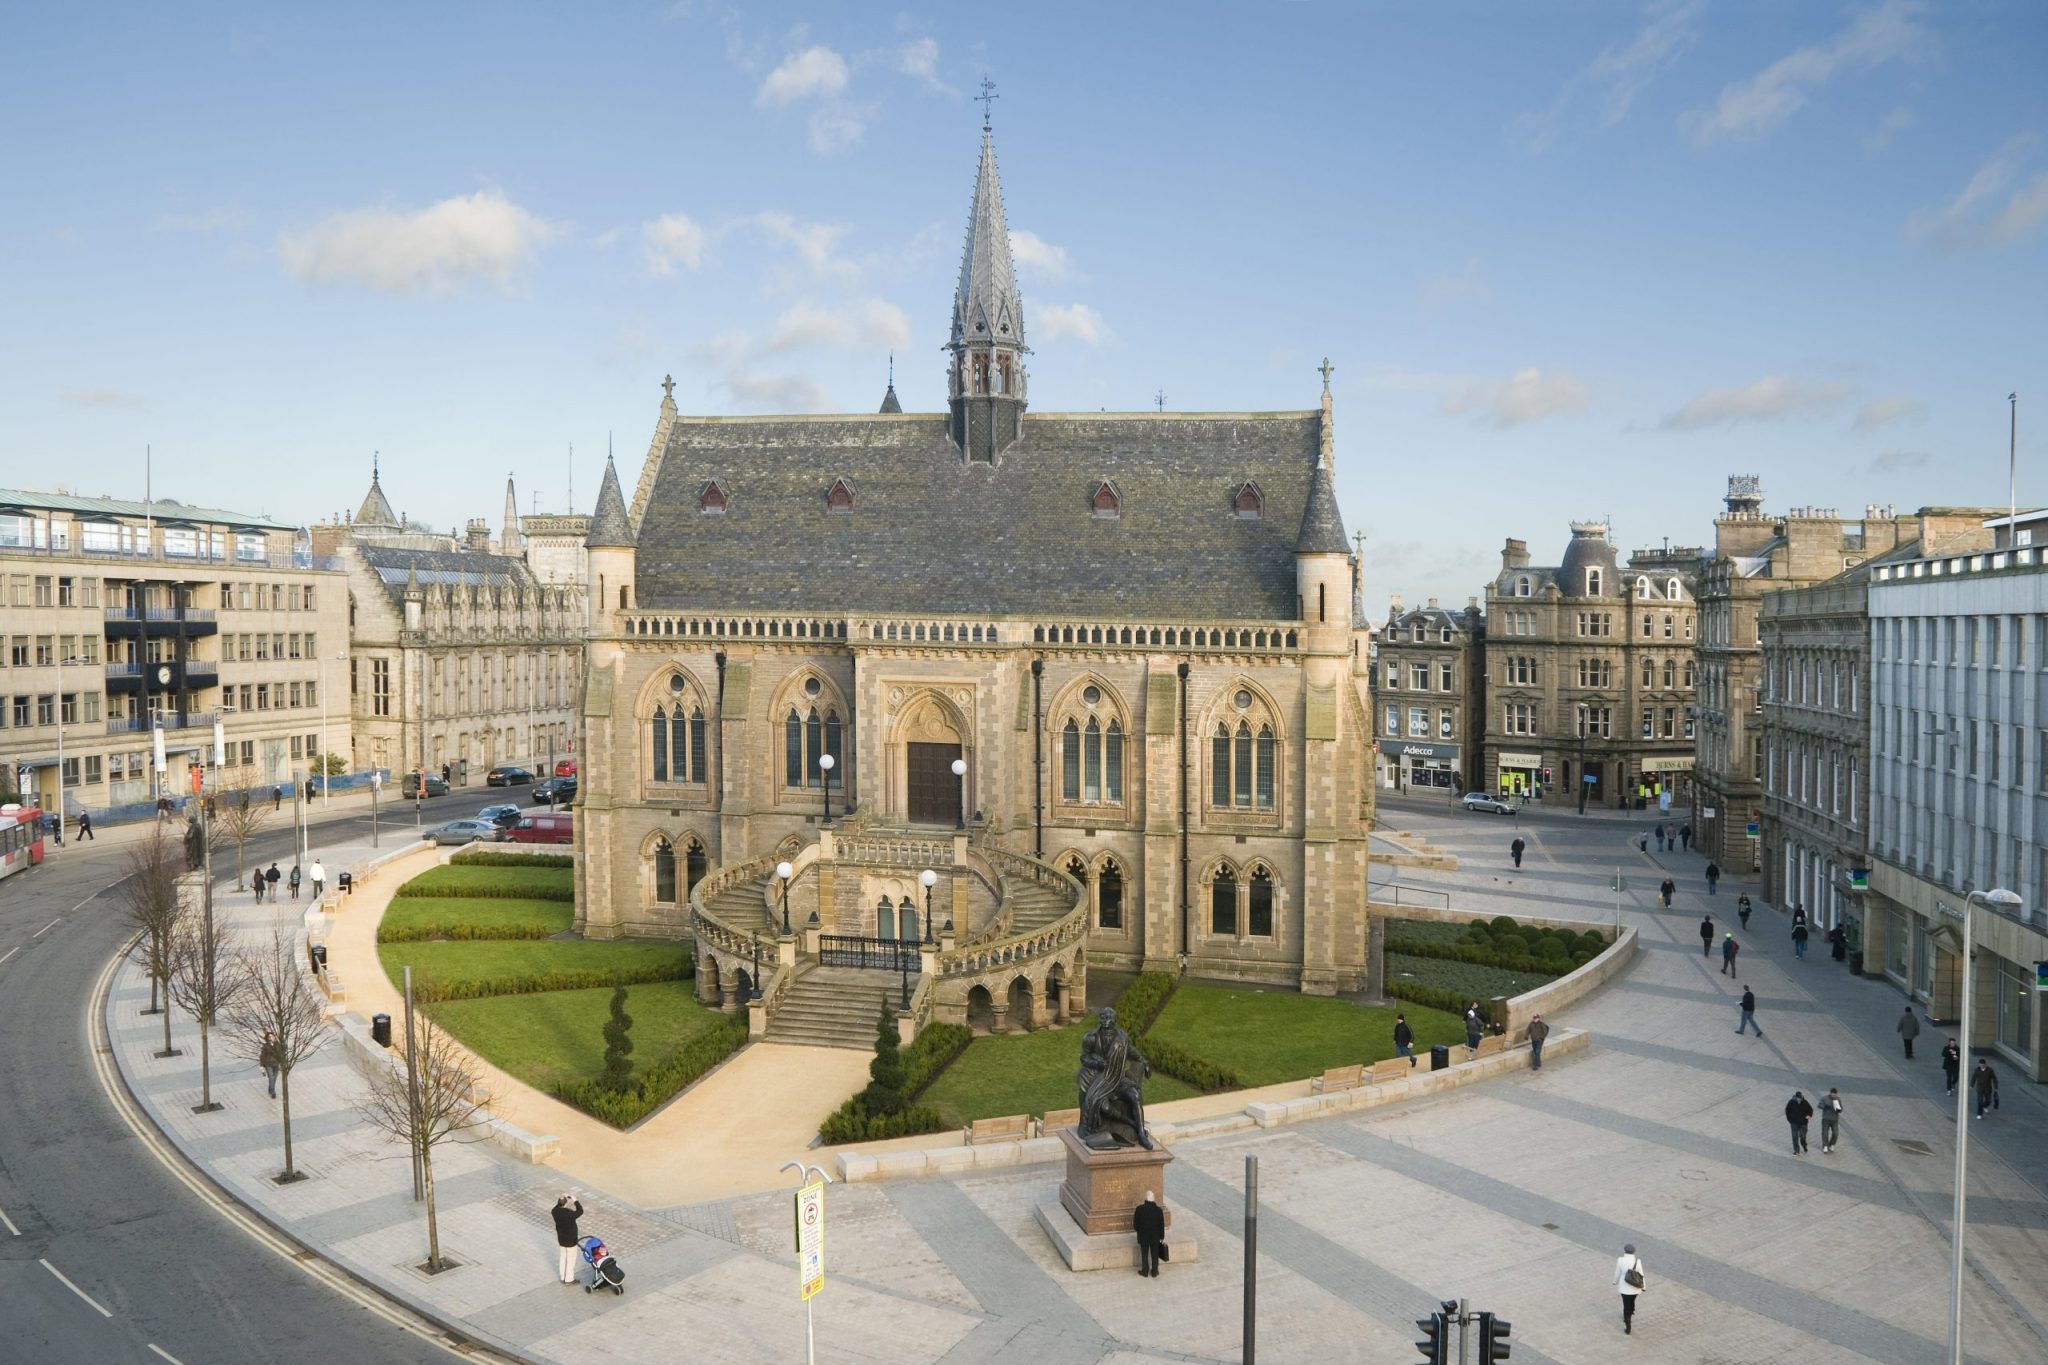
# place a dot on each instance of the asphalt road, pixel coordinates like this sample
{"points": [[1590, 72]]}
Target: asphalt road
{"points": [[116, 1260]]}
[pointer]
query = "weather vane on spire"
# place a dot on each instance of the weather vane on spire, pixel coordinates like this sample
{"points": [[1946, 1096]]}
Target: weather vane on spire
{"points": [[987, 96], [1326, 369]]}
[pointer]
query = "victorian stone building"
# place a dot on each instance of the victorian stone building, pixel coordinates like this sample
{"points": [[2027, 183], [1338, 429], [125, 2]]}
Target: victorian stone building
{"points": [[1092, 671], [1589, 675], [1428, 687]]}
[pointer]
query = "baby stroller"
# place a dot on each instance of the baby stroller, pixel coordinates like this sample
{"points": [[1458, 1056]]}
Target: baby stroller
{"points": [[605, 1270]]}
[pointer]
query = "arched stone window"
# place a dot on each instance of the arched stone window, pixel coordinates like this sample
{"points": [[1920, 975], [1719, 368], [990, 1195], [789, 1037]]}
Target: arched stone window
{"points": [[1091, 739], [885, 919], [1259, 903], [695, 865], [677, 743], [807, 733], [1522, 586], [1593, 583], [665, 873], [1109, 896], [1223, 903], [906, 920], [1243, 755]]}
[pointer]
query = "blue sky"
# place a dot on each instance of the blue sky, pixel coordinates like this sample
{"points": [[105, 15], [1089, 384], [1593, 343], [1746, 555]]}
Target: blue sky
{"points": [[1569, 260]]}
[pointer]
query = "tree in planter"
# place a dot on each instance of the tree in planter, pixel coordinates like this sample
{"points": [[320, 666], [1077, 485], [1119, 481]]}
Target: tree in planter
{"points": [[239, 820], [273, 1015], [447, 1103], [884, 1093], [618, 1042], [150, 894], [202, 982]]}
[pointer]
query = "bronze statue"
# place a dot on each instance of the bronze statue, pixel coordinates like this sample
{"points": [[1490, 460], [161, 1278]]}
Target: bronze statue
{"points": [[1112, 1078]]}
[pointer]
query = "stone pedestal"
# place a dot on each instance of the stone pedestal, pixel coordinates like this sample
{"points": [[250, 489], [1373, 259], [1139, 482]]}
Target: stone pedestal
{"points": [[1090, 1220]]}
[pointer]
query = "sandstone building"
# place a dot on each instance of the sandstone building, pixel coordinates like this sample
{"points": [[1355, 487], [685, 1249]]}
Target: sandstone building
{"points": [[1429, 689]]}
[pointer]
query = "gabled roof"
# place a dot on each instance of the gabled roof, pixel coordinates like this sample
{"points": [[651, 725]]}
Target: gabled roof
{"points": [[609, 528]]}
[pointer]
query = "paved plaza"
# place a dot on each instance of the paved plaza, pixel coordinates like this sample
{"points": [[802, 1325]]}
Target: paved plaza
{"points": [[1515, 1194]]}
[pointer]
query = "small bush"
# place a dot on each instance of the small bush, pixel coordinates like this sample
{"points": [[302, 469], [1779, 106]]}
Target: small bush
{"points": [[499, 857], [884, 1094], [850, 1123], [1549, 946], [920, 1064], [1501, 924], [1435, 997], [1139, 1005], [493, 883], [661, 1082], [1175, 1061], [1593, 942], [1510, 945]]}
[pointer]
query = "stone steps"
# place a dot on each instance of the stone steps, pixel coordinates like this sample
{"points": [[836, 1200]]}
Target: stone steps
{"points": [[831, 1009]]}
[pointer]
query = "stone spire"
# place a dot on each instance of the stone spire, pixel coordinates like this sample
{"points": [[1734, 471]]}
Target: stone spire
{"points": [[609, 527], [1322, 525], [509, 541], [890, 403], [376, 508], [987, 385]]}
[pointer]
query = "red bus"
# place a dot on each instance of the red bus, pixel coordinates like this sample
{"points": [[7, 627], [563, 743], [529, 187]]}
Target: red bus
{"points": [[21, 838]]}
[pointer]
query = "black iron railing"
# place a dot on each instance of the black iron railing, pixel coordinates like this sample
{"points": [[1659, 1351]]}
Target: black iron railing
{"points": [[881, 954]]}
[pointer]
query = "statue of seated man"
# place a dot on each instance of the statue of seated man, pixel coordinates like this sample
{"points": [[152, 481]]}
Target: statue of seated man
{"points": [[1111, 1079]]}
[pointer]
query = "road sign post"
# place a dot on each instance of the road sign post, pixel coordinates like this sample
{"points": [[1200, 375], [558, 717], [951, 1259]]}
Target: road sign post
{"points": [[810, 1254]]}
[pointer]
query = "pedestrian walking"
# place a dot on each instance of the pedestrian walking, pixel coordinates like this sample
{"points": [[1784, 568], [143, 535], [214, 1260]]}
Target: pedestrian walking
{"points": [[1952, 1064], [566, 1211], [85, 826], [1148, 1220], [1748, 1020], [1474, 1026], [1685, 835], [1628, 1278], [1538, 1033], [276, 797], [1706, 936], [1713, 877], [1660, 838], [1799, 914], [319, 875], [266, 1058], [1667, 890], [1799, 936], [271, 877], [1729, 948], [1516, 848], [444, 772], [1985, 1082], [1742, 909], [1798, 1113], [1838, 941], [1643, 841], [1909, 1029], [1830, 1120], [293, 881], [1404, 1039], [256, 883]]}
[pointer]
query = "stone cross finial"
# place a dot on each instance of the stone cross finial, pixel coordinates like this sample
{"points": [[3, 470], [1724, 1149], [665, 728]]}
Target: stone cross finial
{"points": [[1325, 369], [668, 388]]}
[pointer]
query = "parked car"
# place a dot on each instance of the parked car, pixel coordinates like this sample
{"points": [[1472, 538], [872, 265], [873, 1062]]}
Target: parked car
{"points": [[500, 817], [560, 790], [565, 767], [543, 829], [462, 832], [1481, 801], [508, 775], [434, 785]]}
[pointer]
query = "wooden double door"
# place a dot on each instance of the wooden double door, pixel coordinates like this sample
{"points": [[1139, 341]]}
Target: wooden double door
{"points": [[933, 789]]}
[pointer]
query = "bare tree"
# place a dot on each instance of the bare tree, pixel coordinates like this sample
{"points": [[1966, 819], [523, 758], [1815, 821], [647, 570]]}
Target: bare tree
{"points": [[150, 895], [447, 1103], [202, 982], [276, 1019], [238, 822]]}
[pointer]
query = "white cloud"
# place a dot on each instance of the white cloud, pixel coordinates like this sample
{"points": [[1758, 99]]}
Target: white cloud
{"points": [[1766, 400], [437, 249], [870, 325], [1039, 258], [1056, 321], [1893, 407], [1524, 396], [814, 73], [672, 240], [919, 60], [838, 125], [1883, 33], [816, 244], [1619, 74], [103, 400], [1985, 214], [1460, 286], [1899, 461], [776, 392], [1889, 127]]}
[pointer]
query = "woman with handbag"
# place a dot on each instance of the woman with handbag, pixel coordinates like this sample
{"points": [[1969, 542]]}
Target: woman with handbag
{"points": [[1628, 1278]]}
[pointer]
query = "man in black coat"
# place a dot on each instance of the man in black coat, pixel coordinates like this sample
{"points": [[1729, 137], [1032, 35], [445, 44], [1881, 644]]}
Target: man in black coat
{"points": [[566, 1211], [1516, 848], [270, 880], [1404, 1038], [1798, 1113], [1706, 936], [1148, 1220]]}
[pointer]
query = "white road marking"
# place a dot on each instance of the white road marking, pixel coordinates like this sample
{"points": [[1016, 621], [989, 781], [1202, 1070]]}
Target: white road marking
{"points": [[165, 1354], [10, 1223], [47, 927], [65, 1281], [9, 953]]}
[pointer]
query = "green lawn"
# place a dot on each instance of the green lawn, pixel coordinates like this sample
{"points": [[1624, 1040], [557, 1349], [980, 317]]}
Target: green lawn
{"points": [[535, 883], [1465, 978], [1272, 1036], [1025, 1073], [412, 918], [510, 965], [556, 1036]]}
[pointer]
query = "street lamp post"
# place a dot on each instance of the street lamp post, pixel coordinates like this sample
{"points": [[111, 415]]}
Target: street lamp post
{"points": [[59, 718], [825, 765], [960, 771], [2008, 901], [754, 993], [783, 872], [928, 879]]}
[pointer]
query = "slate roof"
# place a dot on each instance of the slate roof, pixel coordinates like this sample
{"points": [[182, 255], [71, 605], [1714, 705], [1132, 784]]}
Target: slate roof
{"points": [[376, 508], [1322, 525], [986, 305], [890, 402], [452, 568], [609, 525], [929, 533]]}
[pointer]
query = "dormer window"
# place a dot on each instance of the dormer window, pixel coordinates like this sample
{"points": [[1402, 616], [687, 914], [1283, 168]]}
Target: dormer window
{"points": [[1671, 590], [711, 502], [1248, 503], [839, 498], [1592, 582], [1642, 587], [1522, 586], [1104, 504]]}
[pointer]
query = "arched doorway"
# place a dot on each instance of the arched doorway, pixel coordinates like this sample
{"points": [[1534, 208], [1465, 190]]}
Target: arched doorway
{"points": [[981, 1010], [1019, 1010], [928, 742], [906, 920]]}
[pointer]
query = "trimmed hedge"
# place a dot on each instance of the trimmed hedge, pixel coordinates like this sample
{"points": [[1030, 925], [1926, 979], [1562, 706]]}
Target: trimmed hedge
{"points": [[493, 883], [498, 857], [932, 1052], [1199, 1072], [1141, 1002], [661, 1082], [1435, 997], [419, 919], [434, 980]]}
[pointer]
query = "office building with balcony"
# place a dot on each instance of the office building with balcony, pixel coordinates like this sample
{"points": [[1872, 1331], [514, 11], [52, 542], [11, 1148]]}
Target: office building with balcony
{"points": [[1959, 788], [1429, 686], [128, 619]]}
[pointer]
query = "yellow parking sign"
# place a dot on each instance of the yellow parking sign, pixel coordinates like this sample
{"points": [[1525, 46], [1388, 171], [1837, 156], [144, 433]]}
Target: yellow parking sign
{"points": [[810, 1238]]}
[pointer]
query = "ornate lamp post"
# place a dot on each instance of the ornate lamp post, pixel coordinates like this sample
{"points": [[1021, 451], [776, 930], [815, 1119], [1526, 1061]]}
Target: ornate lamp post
{"points": [[903, 966], [783, 872], [825, 765], [960, 771], [755, 992], [928, 879]]}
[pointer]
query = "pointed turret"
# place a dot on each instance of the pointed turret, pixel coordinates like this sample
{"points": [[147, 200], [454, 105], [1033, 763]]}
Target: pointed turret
{"points": [[609, 527], [376, 509], [987, 385], [609, 554], [1324, 571], [889, 400], [509, 539]]}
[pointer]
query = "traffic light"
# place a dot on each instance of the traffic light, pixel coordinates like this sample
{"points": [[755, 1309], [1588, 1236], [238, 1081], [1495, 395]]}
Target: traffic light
{"points": [[1436, 1340], [1493, 1338]]}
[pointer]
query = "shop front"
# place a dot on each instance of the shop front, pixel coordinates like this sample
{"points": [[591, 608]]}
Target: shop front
{"points": [[1665, 781], [1415, 763], [1519, 774]]}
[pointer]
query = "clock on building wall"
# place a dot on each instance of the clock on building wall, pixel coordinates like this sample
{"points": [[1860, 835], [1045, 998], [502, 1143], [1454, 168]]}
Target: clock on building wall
{"points": [[163, 675]]}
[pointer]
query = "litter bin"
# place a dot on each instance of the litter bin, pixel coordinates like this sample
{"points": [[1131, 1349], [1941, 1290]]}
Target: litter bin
{"points": [[1439, 1057], [380, 1029], [318, 951], [345, 882]]}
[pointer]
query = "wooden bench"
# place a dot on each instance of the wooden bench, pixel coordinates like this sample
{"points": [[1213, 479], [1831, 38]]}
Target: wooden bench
{"points": [[1011, 1128], [1490, 1045], [1057, 1119], [1338, 1078], [331, 983], [1392, 1069]]}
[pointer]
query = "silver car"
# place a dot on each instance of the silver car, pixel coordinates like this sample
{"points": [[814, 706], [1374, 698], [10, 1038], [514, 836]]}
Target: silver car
{"points": [[461, 832], [1493, 804]]}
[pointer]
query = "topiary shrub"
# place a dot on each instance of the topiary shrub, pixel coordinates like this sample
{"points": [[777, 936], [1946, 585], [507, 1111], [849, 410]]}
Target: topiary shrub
{"points": [[884, 1094], [1550, 945], [1593, 942], [1501, 924], [1511, 945], [618, 1042], [661, 1082]]}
